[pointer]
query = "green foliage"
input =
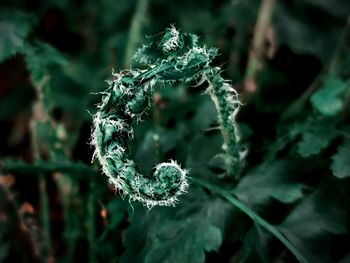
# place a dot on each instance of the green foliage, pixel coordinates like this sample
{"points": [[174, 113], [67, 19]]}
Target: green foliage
{"points": [[15, 26], [314, 141], [275, 180], [341, 161], [181, 234], [329, 99], [256, 245], [41, 59], [312, 221], [270, 184]]}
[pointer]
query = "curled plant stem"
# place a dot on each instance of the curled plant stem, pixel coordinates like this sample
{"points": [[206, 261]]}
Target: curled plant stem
{"points": [[227, 105], [170, 58]]}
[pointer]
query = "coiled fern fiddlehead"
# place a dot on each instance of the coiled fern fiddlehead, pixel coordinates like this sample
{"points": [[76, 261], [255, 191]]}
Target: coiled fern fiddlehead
{"points": [[170, 57]]}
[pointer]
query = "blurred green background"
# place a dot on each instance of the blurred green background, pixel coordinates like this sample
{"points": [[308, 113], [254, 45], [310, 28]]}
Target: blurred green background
{"points": [[288, 59]]}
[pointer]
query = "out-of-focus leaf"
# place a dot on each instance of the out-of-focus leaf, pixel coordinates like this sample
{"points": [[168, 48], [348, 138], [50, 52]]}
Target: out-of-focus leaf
{"points": [[314, 142], [180, 234], [205, 114], [153, 145], [256, 245], [316, 134], [116, 211], [341, 161], [296, 28], [40, 59], [200, 151], [328, 99], [274, 180], [15, 26], [221, 161], [196, 112], [312, 221], [284, 138], [243, 14]]}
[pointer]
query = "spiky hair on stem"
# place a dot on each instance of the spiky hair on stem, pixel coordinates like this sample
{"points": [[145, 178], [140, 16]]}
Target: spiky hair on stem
{"points": [[170, 57]]}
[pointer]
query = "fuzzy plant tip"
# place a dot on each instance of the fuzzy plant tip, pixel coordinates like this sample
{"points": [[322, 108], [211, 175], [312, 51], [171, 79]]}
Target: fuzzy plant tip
{"points": [[169, 58]]}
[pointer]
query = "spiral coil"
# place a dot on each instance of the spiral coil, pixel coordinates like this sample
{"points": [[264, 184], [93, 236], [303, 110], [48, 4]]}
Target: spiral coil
{"points": [[170, 57]]}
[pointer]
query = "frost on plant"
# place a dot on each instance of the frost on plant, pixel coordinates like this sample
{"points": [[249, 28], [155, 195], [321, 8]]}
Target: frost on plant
{"points": [[170, 57]]}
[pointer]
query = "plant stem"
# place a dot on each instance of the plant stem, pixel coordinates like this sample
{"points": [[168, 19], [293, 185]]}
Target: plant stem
{"points": [[45, 215], [20, 237], [68, 191], [344, 39], [135, 30], [255, 217], [254, 63], [91, 223], [227, 106], [78, 171], [39, 116]]}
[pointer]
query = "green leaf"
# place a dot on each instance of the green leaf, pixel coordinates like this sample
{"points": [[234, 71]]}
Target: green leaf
{"points": [[181, 234], [317, 133], [341, 161], [253, 215], [273, 180], [328, 100], [40, 59], [205, 113], [148, 55], [15, 26], [200, 151], [256, 245], [314, 142], [284, 137], [242, 14], [310, 224]]}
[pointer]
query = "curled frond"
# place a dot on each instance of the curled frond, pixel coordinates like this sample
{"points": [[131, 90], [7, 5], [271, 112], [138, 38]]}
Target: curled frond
{"points": [[169, 58]]}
